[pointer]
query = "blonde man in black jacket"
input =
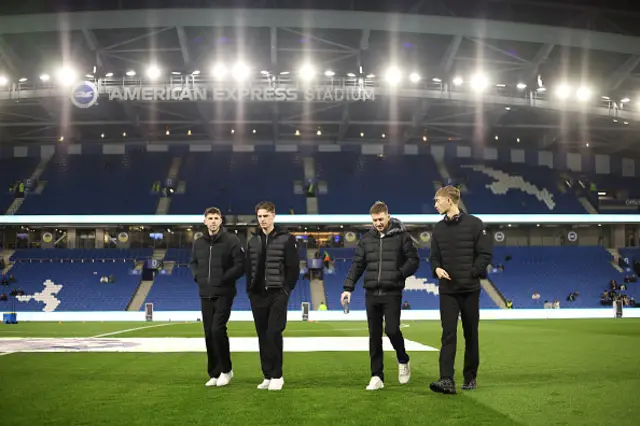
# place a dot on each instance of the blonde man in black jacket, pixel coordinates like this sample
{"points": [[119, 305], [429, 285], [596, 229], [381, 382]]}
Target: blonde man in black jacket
{"points": [[461, 250], [386, 256]]}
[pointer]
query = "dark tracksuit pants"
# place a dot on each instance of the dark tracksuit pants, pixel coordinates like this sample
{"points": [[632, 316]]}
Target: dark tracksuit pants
{"points": [[467, 305], [269, 310], [385, 307], [215, 315]]}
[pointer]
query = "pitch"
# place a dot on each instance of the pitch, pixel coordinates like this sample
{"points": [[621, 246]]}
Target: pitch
{"points": [[532, 372]]}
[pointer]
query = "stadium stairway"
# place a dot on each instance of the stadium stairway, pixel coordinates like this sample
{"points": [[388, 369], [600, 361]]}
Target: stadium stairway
{"points": [[493, 292], [309, 166], [164, 203], [140, 296], [14, 206], [615, 253], [35, 176], [6, 255], [587, 205]]}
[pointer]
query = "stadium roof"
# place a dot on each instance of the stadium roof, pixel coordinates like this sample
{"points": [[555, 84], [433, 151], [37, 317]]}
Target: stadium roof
{"points": [[537, 43]]}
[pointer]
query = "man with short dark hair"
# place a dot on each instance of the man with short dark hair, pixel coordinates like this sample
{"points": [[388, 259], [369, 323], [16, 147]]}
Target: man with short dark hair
{"points": [[217, 262], [461, 250], [386, 256], [273, 268]]}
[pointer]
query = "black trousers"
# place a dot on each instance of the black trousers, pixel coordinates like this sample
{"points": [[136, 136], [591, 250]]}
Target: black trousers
{"points": [[270, 318], [384, 307], [215, 315], [467, 305]]}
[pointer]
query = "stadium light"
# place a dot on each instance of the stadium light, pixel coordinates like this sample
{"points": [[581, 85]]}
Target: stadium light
{"points": [[350, 74], [195, 72], [264, 72], [153, 72], [563, 91], [362, 134], [307, 72], [131, 73], [458, 81], [45, 77], [521, 86], [109, 74], [319, 132], [102, 135], [219, 71], [240, 71], [625, 100], [329, 73], [371, 75], [67, 76], [297, 132], [124, 134], [23, 79], [479, 82], [436, 80], [3, 80], [583, 93], [414, 77], [393, 76]]}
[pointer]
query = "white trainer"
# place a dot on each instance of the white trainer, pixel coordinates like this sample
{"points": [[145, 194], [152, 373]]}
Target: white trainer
{"points": [[375, 383], [264, 385], [276, 384], [404, 373], [212, 382], [225, 378]]}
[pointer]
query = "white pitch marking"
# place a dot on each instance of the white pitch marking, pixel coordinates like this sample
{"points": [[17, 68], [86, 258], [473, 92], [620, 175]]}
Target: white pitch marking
{"points": [[190, 344], [113, 333]]}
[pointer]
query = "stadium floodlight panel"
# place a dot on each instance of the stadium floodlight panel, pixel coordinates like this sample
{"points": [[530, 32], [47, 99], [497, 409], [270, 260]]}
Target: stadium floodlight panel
{"points": [[240, 71], [521, 86], [307, 72], [45, 77], [329, 73], [316, 219], [458, 81], [583, 93], [131, 73], [3, 80], [153, 72], [67, 76], [219, 71], [479, 82], [414, 77], [563, 91], [393, 75]]}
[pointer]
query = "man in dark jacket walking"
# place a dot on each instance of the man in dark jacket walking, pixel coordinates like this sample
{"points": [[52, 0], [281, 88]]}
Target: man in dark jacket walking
{"points": [[217, 262], [386, 255], [273, 268], [461, 250]]}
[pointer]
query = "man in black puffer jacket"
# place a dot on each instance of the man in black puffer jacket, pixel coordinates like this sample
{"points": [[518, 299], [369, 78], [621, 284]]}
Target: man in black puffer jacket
{"points": [[217, 262], [273, 269], [460, 253], [386, 255]]}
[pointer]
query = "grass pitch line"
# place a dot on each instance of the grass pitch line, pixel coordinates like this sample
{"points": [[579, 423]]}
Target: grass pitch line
{"points": [[113, 333]]}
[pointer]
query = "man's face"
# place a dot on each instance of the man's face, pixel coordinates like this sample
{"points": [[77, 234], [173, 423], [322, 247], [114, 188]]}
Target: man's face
{"points": [[213, 222], [380, 221], [265, 218], [442, 204]]}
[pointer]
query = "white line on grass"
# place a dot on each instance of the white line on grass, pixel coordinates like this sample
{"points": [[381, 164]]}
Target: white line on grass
{"points": [[113, 333]]}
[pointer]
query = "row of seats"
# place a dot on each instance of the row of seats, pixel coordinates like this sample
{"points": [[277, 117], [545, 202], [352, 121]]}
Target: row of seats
{"points": [[235, 182], [81, 254]]}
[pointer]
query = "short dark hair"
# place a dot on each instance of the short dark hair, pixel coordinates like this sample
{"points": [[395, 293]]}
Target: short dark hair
{"points": [[267, 205], [378, 207], [212, 210]]}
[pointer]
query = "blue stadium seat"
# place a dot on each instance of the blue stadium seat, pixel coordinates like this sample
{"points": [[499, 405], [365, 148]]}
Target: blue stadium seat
{"points": [[11, 170]]}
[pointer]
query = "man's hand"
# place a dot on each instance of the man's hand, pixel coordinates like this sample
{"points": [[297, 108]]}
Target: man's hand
{"points": [[442, 274], [346, 296]]}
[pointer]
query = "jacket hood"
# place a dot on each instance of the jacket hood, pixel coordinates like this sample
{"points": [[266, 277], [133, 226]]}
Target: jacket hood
{"points": [[208, 237], [276, 231], [395, 227]]}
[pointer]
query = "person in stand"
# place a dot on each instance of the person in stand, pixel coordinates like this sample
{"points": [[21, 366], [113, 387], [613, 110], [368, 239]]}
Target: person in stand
{"points": [[217, 262], [386, 256], [273, 269], [461, 250]]}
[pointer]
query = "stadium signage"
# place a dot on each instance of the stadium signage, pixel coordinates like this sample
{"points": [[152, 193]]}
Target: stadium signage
{"points": [[264, 94]]}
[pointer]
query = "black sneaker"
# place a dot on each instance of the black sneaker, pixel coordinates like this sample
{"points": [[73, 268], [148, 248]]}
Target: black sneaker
{"points": [[446, 386], [469, 385]]}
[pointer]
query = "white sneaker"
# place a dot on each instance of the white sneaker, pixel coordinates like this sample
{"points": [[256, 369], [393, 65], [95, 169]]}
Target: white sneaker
{"points": [[212, 382], [264, 385], [276, 384], [225, 378], [375, 383], [404, 373]]}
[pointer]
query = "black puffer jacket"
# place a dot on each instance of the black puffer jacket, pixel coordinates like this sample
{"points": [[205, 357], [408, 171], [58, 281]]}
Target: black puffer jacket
{"points": [[273, 261], [386, 260], [217, 262], [463, 249]]}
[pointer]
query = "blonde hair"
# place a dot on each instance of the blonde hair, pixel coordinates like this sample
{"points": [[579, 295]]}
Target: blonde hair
{"points": [[450, 192]]}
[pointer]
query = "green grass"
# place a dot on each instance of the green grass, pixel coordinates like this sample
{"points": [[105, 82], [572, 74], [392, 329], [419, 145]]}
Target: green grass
{"points": [[547, 372]]}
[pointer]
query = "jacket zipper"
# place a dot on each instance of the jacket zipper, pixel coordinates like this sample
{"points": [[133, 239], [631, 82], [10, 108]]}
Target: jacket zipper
{"points": [[266, 244], [209, 272], [379, 263]]}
